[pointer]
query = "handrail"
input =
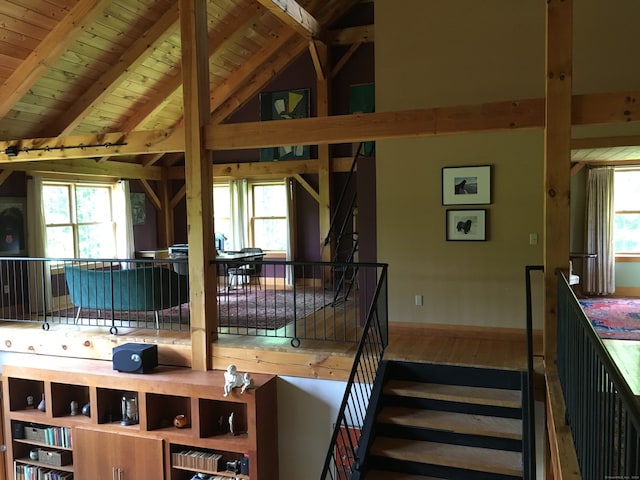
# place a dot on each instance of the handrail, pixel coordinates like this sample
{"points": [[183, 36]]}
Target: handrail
{"points": [[292, 300], [343, 455], [343, 192], [601, 409], [529, 426]]}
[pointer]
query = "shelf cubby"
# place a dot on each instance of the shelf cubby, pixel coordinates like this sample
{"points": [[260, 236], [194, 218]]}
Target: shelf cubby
{"points": [[21, 389], [214, 417], [63, 394], [162, 409], [109, 405]]}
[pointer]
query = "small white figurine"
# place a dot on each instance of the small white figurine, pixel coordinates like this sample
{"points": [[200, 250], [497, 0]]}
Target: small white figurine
{"points": [[232, 379], [247, 382]]}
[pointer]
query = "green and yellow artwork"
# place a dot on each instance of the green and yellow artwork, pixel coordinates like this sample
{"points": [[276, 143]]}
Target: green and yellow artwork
{"points": [[284, 105]]}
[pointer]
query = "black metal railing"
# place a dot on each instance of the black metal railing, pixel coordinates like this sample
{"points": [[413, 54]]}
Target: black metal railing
{"points": [[293, 300], [601, 409], [343, 457]]}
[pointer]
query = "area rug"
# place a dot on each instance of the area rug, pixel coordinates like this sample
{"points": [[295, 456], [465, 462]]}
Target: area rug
{"points": [[614, 318], [244, 308], [267, 308]]}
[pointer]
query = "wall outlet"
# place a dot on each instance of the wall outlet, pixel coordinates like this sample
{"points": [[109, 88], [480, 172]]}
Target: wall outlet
{"points": [[5, 289], [419, 300]]}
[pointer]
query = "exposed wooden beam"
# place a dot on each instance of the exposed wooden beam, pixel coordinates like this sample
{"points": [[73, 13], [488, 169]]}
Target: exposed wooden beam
{"points": [[344, 59], [295, 16], [258, 78], [4, 175], [198, 180], [351, 35], [85, 166], [605, 142], [576, 167], [133, 57], [557, 181], [241, 16], [151, 194], [333, 129], [49, 51], [179, 195], [315, 195], [247, 81], [318, 64]]}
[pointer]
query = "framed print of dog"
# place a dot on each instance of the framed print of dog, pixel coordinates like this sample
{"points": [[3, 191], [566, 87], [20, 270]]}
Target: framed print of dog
{"points": [[467, 225], [13, 239]]}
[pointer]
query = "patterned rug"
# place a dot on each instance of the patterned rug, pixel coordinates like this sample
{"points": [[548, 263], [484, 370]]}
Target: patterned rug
{"points": [[238, 310], [614, 318]]}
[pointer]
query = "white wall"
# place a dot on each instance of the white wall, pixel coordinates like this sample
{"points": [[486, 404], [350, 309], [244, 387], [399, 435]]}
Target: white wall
{"points": [[307, 411], [464, 52]]}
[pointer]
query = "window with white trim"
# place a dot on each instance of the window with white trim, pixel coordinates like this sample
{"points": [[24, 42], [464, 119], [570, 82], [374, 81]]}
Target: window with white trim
{"points": [[253, 210], [268, 216], [626, 229], [78, 220]]}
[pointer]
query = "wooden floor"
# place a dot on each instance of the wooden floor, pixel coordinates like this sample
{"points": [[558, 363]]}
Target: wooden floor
{"points": [[313, 359]]}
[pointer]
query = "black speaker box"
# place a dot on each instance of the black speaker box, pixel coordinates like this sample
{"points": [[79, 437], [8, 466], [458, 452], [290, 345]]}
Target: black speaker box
{"points": [[135, 357]]}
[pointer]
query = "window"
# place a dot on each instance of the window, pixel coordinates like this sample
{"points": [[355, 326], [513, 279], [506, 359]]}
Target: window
{"points": [[78, 220], [252, 214], [268, 228], [626, 230], [222, 212]]}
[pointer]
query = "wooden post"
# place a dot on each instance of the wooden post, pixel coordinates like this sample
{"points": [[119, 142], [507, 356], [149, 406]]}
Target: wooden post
{"points": [[199, 180], [324, 162], [557, 136]]}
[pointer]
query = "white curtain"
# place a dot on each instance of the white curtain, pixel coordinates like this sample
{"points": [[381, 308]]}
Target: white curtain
{"points": [[239, 214], [600, 272], [39, 272], [121, 200], [289, 273]]}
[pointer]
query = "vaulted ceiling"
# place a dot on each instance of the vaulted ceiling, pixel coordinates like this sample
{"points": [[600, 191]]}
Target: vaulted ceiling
{"points": [[85, 68], [97, 70]]}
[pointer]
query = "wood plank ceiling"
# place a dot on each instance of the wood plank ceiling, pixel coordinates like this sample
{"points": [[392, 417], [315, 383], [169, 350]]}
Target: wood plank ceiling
{"points": [[90, 67], [86, 68]]}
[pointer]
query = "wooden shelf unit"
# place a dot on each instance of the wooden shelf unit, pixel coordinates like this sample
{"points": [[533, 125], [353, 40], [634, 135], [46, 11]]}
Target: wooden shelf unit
{"points": [[162, 394]]}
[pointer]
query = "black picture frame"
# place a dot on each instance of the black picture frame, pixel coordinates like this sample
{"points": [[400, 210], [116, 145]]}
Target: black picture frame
{"points": [[466, 225], [466, 185]]}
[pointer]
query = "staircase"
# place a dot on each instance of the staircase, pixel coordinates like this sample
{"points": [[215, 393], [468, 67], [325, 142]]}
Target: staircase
{"points": [[446, 422]]}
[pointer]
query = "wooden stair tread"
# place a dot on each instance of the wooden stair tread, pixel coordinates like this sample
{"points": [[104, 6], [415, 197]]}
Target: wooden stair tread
{"points": [[465, 423], [497, 397], [442, 454], [380, 475]]}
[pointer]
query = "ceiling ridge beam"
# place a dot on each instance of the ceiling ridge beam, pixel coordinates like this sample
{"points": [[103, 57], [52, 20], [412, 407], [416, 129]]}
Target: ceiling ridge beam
{"points": [[295, 16]]}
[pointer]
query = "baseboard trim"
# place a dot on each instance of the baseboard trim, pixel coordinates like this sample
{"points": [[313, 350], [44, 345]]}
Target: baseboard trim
{"points": [[627, 292], [501, 334]]}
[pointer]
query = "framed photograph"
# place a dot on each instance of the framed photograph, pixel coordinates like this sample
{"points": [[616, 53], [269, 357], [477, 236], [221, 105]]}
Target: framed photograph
{"points": [[13, 238], [466, 185], [467, 225]]}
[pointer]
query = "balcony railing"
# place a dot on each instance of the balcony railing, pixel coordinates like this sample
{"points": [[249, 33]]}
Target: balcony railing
{"points": [[293, 300], [601, 410]]}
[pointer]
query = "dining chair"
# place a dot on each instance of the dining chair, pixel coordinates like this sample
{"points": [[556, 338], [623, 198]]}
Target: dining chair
{"points": [[248, 271]]}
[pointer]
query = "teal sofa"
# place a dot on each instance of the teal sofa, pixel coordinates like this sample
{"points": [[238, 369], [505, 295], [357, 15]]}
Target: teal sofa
{"points": [[135, 289]]}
